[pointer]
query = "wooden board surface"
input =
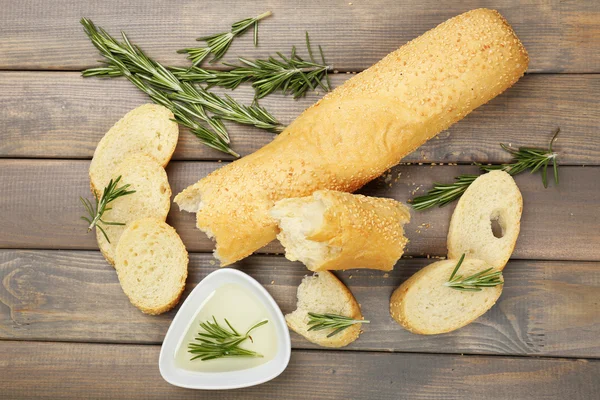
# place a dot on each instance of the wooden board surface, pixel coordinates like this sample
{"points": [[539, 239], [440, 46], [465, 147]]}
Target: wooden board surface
{"points": [[546, 308], [56, 287], [75, 370], [559, 35], [42, 209], [62, 115]]}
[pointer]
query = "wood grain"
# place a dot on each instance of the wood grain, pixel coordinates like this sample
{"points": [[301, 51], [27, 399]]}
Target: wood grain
{"points": [[546, 308], [74, 371], [558, 35], [62, 115], [41, 209]]}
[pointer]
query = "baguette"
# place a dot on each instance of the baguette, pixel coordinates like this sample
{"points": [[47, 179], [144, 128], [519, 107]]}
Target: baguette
{"points": [[492, 196], [335, 230], [361, 129], [152, 198], [148, 129], [323, 293], [152, 265], [425, 306]]}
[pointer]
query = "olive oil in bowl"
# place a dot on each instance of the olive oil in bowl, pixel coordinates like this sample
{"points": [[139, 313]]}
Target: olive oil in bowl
{"points": [[241, 309]]}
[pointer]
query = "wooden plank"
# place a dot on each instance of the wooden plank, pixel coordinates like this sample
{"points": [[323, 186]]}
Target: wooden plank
{"points": [[61, 115], [558, 35], [40, 208], [76, 370], [546, 308]]}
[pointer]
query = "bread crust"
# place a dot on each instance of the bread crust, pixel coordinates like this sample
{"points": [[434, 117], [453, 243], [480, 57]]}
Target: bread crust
{"points": [[361, 129], [401, 313], [368, 231]]}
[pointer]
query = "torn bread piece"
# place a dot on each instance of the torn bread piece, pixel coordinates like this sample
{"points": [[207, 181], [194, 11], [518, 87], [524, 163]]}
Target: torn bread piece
{"points": [[492, 198], [152, 198], [424, 304], [148, 129], [323, 293], [336, 230], [152, 265]]}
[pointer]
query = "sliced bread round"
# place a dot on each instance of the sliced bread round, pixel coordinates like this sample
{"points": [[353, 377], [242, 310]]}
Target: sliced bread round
{"points": [[491, 197], [148, 129], [424, 305], [323, 293], [151, 262], [152, 198]]}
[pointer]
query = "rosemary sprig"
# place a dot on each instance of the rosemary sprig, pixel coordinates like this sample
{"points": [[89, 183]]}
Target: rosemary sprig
{"points": [[475, 282], [216, 341], [523, 159], [290, 75], [336, 322], [95, 211], [219, 43], [188, 103]]}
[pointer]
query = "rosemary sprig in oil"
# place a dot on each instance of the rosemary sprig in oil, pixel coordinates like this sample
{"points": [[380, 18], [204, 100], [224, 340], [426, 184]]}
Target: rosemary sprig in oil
{"points": [[336, 322], [216, 341], [475, 282], [289, 74], [219, 43], [95, 211], [524, 158]]}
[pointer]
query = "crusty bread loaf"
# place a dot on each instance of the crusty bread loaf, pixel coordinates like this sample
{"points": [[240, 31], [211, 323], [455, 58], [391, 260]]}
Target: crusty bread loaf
{"points": [[152, 198], [492, 196], [152, 265], [424, 305], [361, 129], [336, 230], [148, 129], [323, 293]]}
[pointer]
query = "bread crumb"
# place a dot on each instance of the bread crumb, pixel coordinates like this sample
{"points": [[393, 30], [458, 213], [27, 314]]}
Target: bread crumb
{"points": [[212, 262], [350, 277], [386, 275], [272, 282]]}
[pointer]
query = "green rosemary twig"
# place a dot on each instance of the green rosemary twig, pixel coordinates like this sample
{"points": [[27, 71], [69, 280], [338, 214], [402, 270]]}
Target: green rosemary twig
{"points": [[523, 159], [216, 341], [475, 282], [336, 322], [219, 43], [95, 211], [290, 75]]}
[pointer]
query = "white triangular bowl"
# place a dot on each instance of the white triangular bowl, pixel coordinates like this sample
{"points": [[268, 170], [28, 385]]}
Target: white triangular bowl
{"points": [[223, 380]]}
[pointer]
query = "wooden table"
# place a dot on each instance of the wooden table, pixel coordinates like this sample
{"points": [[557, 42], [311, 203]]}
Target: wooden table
{"points": [[67, 329]]}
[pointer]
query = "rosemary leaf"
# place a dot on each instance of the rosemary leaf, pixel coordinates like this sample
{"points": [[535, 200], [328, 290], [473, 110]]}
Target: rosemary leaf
{"points": [[216, 341], [290, 75], [219, 43], [336, 322], [475, 282], [525, 158], [95, 211]]}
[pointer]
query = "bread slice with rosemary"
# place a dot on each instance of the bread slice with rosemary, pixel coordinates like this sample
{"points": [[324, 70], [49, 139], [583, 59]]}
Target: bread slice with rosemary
{"points": [[152, 265], [148, 129], [428, 304], [493, 196], [152, 198], [325, 297]]}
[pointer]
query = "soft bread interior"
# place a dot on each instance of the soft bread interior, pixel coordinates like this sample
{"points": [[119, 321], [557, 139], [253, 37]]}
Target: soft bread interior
{"points": [[151, 263], [323, 293], [493, 198], [298, 219], [423, 304], [152, 198]]}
